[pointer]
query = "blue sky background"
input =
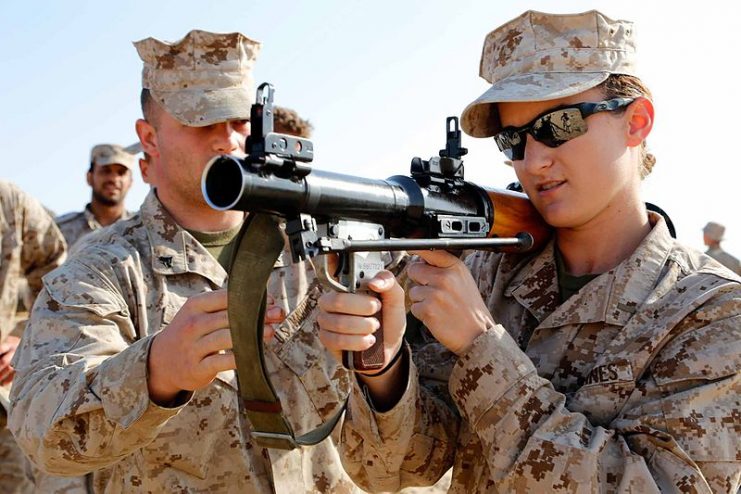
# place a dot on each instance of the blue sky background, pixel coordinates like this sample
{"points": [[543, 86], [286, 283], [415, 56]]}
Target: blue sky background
{"points": [[376, 79]]}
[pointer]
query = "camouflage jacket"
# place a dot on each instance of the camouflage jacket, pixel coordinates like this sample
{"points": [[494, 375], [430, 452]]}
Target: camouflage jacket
{"points": [[76, 225], [630, 385], [80, 401], [30, 246]]}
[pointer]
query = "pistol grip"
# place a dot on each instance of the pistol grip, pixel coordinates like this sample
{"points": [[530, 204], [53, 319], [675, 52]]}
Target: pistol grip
{"points": [[367, 360], [356, 268]]}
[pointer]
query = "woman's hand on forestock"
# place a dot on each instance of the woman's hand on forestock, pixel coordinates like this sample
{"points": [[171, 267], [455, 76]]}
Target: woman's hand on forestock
{"points": [[446, 299]]}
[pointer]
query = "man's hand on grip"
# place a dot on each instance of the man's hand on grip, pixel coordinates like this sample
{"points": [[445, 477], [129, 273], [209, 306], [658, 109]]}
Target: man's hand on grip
{"points": [[347, 321]]}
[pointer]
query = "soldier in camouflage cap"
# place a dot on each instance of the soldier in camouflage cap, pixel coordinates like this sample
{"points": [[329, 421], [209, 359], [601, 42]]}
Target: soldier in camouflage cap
{"points": [[608, 360], [109, 176], [538, 57], [30, 246], [712, 235], [203, 79], [126, 369]]}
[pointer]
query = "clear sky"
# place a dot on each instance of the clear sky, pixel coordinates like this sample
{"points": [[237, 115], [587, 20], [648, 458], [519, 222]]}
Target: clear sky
{"points": [[376, 79]]}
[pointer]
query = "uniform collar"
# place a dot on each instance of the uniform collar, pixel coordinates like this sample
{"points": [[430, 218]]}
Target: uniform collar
{"points": [[90, 219], [93, 223], [174, 250], [612, 297]]}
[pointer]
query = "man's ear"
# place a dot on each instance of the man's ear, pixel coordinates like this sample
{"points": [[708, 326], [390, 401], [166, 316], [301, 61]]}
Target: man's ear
{"points": [[89, 177], [640, 115], [148, 137]]}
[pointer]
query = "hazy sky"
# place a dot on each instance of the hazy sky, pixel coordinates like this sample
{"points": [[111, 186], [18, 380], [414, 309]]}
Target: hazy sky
{"points": [[376, 79]]}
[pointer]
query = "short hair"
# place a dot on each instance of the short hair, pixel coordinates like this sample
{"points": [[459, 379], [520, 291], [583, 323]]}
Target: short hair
{"points": [[148, 105], [628, 86], [287, 121]]}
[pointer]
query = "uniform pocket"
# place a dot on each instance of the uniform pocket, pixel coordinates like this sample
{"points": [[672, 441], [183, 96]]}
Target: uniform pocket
{"points": [[296, 341], [606, 389], [311, 385]]}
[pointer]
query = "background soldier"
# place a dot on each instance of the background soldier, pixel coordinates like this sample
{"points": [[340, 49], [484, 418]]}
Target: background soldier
{"points": [[287, 121], [126, 368], [712, 235], [109, 176], [30, 246]]}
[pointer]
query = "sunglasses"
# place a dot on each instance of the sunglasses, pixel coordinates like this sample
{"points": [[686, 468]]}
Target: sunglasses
{"points": [[554, 127]]}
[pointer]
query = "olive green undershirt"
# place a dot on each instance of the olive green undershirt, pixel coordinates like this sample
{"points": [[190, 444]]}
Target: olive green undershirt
{"points": [[219, 244], [569, 284]]}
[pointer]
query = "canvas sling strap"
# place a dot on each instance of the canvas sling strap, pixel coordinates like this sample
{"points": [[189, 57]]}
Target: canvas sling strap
{"points": [[258, 246]]}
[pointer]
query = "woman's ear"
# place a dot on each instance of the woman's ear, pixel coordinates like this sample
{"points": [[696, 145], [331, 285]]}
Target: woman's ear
{"points": [[640, 115]]}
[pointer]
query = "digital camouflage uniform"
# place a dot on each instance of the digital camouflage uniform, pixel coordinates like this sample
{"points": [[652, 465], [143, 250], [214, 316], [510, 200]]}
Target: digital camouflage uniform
{"points": [[81, 401], [30, 246], [630, 385], [76, 225]]}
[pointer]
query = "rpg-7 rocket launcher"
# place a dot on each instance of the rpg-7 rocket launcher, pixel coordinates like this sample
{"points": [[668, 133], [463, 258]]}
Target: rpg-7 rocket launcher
{"points": [[357, 218], [325, 212]]}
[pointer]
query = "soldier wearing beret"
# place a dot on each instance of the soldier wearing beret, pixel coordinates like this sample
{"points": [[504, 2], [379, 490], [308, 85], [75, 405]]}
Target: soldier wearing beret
{"points": [[126, 370], [31, 245], [109, 177], [606, 361]]}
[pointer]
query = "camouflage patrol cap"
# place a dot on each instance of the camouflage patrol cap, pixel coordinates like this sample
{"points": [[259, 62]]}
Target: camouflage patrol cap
{"points": [[111, 154], [539, 57], [714, 231], [203, 79]]}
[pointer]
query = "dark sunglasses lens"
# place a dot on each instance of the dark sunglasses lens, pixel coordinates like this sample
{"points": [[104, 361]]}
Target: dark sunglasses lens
{"points": [[511, 143], [559, 126]]}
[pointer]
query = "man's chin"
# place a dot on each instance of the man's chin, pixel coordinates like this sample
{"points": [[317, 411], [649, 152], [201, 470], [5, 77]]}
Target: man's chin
{"points": [[109, 200]]}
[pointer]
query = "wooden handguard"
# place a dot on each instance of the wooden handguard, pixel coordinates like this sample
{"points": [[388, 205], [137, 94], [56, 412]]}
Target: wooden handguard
{"points": [[513, 214]]}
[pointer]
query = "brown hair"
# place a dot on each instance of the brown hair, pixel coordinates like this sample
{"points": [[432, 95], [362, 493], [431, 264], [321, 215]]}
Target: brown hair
{"points": [[627, 86], [287, 121]]}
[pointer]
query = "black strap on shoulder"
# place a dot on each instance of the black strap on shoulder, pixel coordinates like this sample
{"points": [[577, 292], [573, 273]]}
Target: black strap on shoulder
{"points": [[259, 244]]}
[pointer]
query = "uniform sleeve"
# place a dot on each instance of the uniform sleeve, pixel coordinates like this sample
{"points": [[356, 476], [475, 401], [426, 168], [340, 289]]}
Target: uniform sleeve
{"points": [[43, 244], [31, 246], [413, 444], [80, 400]]}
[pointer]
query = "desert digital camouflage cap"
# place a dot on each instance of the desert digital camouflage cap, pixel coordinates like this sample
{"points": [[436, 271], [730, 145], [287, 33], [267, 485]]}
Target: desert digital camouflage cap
{"points": [[110, 154], [714, 230], [204, 78], [539, 57]]}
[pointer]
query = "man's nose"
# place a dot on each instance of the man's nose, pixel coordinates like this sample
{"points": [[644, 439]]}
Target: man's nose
{"points": [[226, 139]]}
